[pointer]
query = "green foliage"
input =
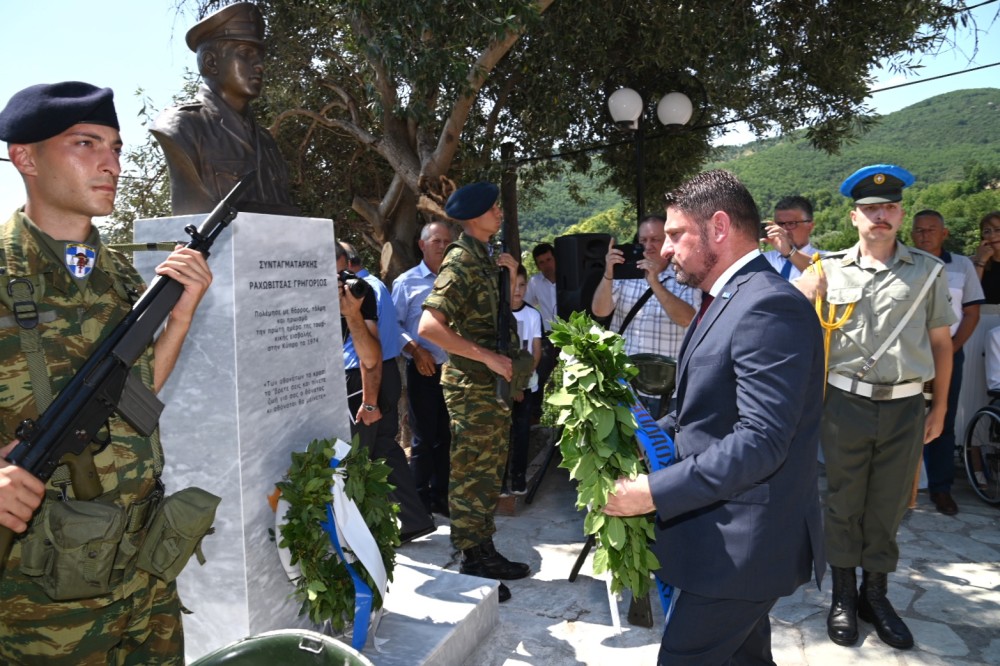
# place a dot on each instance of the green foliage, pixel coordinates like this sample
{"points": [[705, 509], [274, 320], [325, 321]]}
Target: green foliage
{"points": [[949, 142], [371, 100], [598, 445], [325, 588], [958, 174]]}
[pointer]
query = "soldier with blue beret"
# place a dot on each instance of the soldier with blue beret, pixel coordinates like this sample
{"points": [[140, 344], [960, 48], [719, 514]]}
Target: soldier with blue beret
{"points": [[461, 316], [890, 313], [73, 591]]}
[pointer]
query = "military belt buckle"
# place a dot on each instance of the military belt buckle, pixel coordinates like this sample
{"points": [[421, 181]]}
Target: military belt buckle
{"points": [[882, 391]]}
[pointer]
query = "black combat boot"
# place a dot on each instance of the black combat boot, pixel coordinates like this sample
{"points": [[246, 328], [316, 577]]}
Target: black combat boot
{"points": [[484, 561], [874, 608], [842, 622]]}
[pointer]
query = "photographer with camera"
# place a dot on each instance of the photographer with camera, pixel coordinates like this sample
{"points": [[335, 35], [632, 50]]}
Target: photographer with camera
{"points": [[649, 326], [371, 344]]}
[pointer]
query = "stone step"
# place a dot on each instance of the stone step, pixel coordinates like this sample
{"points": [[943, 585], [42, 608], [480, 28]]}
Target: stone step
{"points": [[433, 617]]}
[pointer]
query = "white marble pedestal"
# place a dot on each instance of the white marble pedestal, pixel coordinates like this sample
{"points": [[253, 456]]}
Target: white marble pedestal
{"points": [[260, 376]]}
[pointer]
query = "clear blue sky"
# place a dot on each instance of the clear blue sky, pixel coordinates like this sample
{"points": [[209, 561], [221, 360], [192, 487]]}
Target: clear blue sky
{"points": [[133, 44]]}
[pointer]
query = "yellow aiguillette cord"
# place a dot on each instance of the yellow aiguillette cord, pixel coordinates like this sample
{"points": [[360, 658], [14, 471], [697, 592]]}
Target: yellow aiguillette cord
{"points": [[831, 323]]}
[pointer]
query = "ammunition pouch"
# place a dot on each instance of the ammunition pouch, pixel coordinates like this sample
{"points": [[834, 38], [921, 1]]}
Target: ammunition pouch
{"points": [[81, 549], [176, 532], [523, 368], [71, 549]]}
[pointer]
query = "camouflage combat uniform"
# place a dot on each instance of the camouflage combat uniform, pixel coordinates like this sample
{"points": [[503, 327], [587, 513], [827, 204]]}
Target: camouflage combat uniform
{"points": [[138, 621], [466, 293]]}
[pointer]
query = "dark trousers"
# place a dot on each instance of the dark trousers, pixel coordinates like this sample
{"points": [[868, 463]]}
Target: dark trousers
{"points": [[939, 455], [703, 631], [380, 440], [872, 448], [520, 433], [550, 356], [430, 452]]}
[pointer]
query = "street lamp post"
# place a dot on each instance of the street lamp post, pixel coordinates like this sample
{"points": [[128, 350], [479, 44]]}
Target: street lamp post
{"points": [[626, 106]]}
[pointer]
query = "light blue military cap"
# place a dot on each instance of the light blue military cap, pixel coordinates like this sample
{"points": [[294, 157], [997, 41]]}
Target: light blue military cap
{"points": [[878, 183]]}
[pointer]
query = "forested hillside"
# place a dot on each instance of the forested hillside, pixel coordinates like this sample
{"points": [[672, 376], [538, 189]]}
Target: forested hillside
{"points": [[951, 143]]}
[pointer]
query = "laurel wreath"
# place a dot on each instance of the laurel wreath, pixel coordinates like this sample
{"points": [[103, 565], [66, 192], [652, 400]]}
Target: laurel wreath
{"points": [[325, 588], [598, 446]]}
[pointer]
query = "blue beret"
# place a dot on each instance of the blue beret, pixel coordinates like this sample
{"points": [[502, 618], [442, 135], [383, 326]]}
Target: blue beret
{"points": [[878, 183], [471, 201], [42, 111]]}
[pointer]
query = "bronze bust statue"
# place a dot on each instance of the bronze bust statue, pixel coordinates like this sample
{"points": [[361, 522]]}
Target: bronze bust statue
{"points": [[212, 141]]}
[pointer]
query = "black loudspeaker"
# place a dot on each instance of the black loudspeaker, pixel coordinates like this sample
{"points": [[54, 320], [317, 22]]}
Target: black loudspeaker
{"points": [[579, 269]]}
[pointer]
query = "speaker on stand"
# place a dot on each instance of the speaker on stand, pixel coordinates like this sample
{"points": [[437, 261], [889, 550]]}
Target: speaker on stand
{"points": [[579, 269]]}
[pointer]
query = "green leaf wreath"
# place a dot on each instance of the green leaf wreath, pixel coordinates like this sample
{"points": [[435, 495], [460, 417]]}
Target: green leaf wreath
{"points": [[325, 588], [598, 446]]}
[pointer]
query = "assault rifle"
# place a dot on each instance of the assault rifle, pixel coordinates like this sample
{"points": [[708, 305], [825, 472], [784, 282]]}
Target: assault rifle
{"points": [[503, 326], [68, 430]]}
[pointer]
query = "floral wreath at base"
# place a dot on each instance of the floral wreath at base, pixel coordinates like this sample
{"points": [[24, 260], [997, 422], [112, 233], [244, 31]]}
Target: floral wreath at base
{"points": [[326, 586]]}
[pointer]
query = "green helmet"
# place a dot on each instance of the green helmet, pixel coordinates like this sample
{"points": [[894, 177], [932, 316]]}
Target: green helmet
{"points": [[288, 647]]}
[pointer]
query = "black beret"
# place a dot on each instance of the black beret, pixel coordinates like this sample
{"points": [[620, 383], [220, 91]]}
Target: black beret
{"points": [[42, 111], [240, 22], [471, 201]]}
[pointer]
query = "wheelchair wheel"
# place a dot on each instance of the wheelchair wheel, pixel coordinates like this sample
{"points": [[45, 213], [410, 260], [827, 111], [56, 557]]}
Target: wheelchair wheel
{"points": [[981, 454]]}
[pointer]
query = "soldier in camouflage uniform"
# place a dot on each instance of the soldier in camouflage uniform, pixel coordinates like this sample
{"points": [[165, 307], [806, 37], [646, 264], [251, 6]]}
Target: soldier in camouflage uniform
{"points": [[460, 316], [63, 139]]}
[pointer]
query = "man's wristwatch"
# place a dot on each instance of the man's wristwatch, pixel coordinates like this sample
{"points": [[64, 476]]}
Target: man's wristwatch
{"points": [[368, 408]]}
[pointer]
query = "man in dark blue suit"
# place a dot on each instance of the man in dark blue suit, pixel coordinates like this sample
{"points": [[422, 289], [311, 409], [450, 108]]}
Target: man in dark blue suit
{"points": [[738, 515]]}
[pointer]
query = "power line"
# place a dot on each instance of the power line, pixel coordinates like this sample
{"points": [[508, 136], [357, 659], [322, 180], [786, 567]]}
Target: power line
{"points": [[939, 76]]}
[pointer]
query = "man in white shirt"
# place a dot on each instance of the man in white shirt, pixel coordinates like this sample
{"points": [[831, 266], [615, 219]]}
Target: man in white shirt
{"points": [[541, 294], [789, 234], [929, 234]]}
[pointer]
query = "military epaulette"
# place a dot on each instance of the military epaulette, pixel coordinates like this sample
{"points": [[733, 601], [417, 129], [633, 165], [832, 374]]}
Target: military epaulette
{"points": [[835, 254], [190, 105]]}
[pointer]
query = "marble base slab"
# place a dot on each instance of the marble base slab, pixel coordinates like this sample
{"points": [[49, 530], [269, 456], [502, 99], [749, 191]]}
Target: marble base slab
{"points": [[260, 376], [433, 617]]}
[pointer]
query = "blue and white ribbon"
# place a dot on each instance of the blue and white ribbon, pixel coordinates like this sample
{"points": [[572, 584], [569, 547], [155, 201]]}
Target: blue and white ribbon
{"points": [[660, 452]]}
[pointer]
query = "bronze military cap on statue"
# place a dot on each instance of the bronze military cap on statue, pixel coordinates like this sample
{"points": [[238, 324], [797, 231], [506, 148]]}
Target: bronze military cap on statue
{"points": [[211, 141]]}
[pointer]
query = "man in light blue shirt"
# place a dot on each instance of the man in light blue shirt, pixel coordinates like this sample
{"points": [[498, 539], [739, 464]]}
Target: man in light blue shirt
{"points": [[380, 436], [430, 452]]}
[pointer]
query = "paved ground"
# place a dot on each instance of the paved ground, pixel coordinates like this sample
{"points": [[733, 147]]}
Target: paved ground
{"points": [[947, 588]]}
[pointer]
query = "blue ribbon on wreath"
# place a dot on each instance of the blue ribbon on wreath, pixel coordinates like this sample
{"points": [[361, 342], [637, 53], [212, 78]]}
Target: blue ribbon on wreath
{"points": [[362, 592], [660, 452]]}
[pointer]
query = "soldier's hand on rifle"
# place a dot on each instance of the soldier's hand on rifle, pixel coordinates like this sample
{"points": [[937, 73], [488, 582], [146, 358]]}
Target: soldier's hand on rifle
{"points": [[20, 493], [507, 261], [498, 363], [190, 268]]}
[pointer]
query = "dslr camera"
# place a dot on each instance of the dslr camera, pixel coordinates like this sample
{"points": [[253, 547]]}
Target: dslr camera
{"points": [[357, 286]]}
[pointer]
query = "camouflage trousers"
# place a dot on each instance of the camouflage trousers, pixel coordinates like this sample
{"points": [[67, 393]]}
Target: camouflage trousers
{"points": [[141, 628], [480, 430]]}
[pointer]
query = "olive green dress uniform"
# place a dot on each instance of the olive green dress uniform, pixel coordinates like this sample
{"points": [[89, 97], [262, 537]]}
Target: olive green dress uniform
{"points": [[139, 609], [872, 447], [467, 294]]}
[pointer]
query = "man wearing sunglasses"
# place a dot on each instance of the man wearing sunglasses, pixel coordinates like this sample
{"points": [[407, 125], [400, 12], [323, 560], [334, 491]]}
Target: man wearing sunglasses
{"points": [[789, 234]]}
